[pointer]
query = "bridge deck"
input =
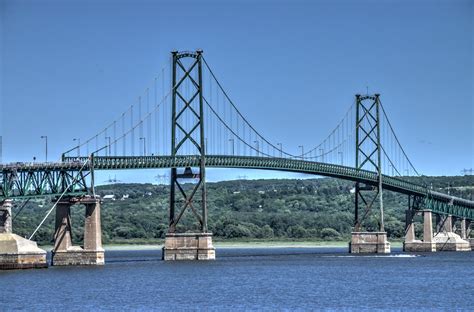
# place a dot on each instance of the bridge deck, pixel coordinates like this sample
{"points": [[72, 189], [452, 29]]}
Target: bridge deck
{"points": [[437, 201]]}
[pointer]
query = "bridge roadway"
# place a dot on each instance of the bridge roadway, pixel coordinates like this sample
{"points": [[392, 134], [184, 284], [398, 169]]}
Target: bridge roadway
{"points": [[435, 201]]}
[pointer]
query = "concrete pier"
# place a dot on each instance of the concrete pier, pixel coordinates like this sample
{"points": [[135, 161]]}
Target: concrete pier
{"points": [[444, 240], [17, 252], [189, 246], [369, 242], [411, 244], [64, 253]]}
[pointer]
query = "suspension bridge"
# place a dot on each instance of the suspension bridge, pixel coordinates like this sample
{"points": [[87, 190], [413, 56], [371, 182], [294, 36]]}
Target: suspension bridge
{"points": [[186, 121]]}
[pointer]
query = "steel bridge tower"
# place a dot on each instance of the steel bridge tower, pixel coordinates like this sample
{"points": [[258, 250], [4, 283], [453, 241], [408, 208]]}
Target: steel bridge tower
{"points": [[368, 155], [187, 138]]}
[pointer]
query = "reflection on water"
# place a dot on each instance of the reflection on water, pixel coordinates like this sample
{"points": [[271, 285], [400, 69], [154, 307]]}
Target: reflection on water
{"points": [[249, 279]]}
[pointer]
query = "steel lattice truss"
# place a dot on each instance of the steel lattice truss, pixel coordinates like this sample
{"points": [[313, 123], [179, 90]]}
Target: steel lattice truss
{"points": [[49, 179]]}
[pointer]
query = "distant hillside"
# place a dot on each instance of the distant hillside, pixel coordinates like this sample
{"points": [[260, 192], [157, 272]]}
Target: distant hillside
{"points": [[266, 209]]}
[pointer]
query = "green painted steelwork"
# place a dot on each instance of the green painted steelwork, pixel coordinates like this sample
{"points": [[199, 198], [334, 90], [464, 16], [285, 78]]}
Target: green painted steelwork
{"points": [[437, 202], [36, 180]]}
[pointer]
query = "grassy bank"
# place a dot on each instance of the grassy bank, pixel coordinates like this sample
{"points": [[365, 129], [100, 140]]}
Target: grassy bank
{"points": [[219, 243]]}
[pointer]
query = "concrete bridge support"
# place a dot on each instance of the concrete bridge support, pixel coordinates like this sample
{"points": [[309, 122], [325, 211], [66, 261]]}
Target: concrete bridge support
{"points": [[369, 242], [188, 246], [17, 252], [411, 244], [466, 232], [64, 253], [446, 239]]}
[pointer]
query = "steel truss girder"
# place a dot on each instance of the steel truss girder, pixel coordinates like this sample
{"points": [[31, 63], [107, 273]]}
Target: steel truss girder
{"points": [[27, 182], [437, 202], [187, 197]]}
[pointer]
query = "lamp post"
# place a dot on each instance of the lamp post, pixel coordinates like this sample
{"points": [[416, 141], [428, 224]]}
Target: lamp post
{"points": [[302, 151], [232, 140], [78, 146], [281, 149], [108, 145], [342, 158], [46, 146], [258, 147], [144, 145]]}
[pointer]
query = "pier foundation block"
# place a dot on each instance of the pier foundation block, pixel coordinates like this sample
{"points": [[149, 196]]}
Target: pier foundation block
{"points": [[369, 242], [449, 241], [189, 246], [17, 252]]}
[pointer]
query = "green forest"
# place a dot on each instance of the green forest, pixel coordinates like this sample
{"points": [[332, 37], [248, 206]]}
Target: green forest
{"points": [[307, 209]]}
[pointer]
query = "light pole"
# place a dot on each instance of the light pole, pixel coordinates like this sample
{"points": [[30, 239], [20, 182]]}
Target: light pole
{"points": [[46, 145], [78, 146], [144, 145], [281, 149], [232, 140], [108, 145], [302, 151], [258, 147], [342, 158], [321, 151]]}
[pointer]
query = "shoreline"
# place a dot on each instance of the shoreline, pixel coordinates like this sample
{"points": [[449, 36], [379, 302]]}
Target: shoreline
{"points": [[236, 245]]}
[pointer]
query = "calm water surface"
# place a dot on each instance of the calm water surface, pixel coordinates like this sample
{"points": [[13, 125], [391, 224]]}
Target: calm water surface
{"points": [[250, 279]]}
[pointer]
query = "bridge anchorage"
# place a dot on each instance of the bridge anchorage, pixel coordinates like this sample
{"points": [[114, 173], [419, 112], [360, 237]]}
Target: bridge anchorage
{"points": [[197, 126]]}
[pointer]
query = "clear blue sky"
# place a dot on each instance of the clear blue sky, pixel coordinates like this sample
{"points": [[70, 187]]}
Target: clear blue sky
{"points": [[292, 67]]}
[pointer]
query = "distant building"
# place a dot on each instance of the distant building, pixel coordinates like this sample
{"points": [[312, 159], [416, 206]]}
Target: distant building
{"points": [[109, 197], [125, 196]]}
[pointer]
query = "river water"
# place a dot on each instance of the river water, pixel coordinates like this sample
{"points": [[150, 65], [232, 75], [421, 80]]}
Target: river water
{"points": [[265, 279]]}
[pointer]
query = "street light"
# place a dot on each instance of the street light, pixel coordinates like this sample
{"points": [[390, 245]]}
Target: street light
{"points": [[78, 146], [281, 149], [108, 146], [144, 145], [258, 147], [46, 145], [302, 151], [232, 140]]}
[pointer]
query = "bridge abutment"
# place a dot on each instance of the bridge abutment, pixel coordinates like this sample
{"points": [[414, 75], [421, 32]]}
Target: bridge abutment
{"points": [[189, 246], [64, 252], [17, 252]]}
